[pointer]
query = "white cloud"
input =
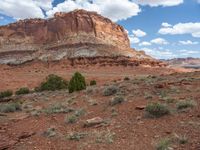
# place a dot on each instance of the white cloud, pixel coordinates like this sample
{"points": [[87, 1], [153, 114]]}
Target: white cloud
{"points": [[159, 41], [115, 10], [188, 42], [1, 17], [182, 28], [21, 9], [198, 1], [139, 33], [155, 3], [134, 40], [159, 54], [165, 24], [145, 43]]}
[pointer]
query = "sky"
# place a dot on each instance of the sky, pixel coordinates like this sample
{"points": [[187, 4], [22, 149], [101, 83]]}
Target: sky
{"points": [[164, 29]]}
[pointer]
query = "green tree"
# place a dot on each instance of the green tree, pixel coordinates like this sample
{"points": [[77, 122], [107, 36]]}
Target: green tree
{"points": [[77, 83]]}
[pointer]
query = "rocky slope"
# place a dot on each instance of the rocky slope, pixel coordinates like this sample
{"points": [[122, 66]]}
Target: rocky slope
{"points": [[66, 35]]}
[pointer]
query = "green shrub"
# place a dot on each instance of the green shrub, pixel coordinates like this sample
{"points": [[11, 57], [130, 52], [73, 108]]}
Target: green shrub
{"points": [[156, 110], [184, 104], [7, 93], [77, 83], [93, 82], [116, 100], [71, 119], [52, 83], [10, 107], [57, 108], [163, 144], [111, 90], [76, 136], [21, 91]]}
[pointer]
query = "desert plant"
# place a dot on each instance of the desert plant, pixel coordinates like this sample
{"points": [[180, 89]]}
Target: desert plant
{"points": [[77, 83], [110, 90], [58, 108], [156, 110], [116, 100], [93, 82], [49, 133], [23, 90], [184, 104], [6, 93], [10, 107], [71, 119], [76, 136], [52, 83], [126, 79], [163, 144]]}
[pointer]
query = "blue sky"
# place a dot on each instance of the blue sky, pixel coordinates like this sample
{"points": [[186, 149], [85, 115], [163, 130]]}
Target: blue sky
{"points": [[162, 28]]}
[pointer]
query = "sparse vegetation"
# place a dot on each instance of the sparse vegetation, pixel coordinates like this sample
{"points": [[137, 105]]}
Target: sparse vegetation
{"points": [[184, 104], [93, 82], [58, 108], [156, 110], [23, 90], [116, 100], [110, 90], [76, 136], [10, 107], [105, 137], [6, 93], [77, 83], [52, 83], [50, 132], [163, 144], [71, 119], [126, 79]]}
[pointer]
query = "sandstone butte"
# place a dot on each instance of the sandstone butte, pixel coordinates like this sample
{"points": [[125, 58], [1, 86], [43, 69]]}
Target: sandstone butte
{"points": [[67, 35]]}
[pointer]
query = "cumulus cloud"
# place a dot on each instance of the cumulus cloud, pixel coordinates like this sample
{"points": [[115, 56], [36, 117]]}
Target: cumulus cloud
{"points": [[145, 43], [134, 40], [115, 10], [21, 9], [188, 42], [155, 3], [165, 24], [159, 54], [182, 28], [139, 33], [159, 41]]}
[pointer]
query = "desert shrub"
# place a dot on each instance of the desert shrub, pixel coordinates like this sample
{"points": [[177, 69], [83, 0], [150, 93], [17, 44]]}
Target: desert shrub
{"points": [[21, 91], [184, 104], [156, 110], [126, 79], [7, 93], [77, 83], [71, 119], [49, 133], [52, 83], [10, 107], [163, 144], [58, 108], [110, 90], [80, 112], [116, 100], [93, 82], [76, 136]]}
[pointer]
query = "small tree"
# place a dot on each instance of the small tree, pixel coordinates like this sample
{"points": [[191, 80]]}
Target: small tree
{"points": [[23, 90], [77, 83], [52, 83]]}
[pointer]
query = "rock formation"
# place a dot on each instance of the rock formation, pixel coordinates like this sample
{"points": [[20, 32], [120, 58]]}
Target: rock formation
{"points": [[67, 35]]}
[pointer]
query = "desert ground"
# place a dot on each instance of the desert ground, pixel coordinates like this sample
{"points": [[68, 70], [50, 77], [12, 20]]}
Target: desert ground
{"points": [[58, 120]]}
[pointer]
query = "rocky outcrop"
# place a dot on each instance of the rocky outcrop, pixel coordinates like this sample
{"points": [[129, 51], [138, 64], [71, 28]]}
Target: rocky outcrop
{"points": [[66, 35]]}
